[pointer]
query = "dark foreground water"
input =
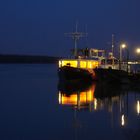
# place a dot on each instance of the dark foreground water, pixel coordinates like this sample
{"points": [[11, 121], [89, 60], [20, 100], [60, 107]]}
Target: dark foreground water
{"points": [[34, 106]]}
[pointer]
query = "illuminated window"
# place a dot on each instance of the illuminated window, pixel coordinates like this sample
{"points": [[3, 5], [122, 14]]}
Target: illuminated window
{"points": [[83, 64], [71, 63]]}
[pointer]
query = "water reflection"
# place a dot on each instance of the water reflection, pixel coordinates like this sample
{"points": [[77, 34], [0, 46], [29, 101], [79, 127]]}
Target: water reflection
{"points": [[121, 102], [138, 107], [122, 120], [77, 97]]}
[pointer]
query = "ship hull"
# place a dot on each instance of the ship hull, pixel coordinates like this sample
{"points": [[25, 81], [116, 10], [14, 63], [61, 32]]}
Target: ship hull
{"points": [[71, 74], [112, 76]]}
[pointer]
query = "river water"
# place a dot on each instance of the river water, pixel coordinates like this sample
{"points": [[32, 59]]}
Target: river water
{"points": [[35, 106]]}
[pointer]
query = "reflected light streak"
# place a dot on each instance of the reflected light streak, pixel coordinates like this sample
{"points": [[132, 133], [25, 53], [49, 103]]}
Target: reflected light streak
{"points": [[95, 103], [89, 96], [83, 97], [59, 98], [138, 107], [73, 99], [122, 120]]}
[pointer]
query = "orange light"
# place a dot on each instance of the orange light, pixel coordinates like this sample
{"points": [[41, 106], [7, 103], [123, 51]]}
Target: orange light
{"points": [[83, 64], [79, 63], [71, 100], [72, 63], [89, 96], [82, 97]]}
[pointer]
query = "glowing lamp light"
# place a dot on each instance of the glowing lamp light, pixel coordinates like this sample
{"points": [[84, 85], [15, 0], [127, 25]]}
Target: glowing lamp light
{"points": [[123, 46], [138, 50]]}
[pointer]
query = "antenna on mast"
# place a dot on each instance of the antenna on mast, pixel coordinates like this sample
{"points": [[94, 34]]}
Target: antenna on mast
{"points": [[113, 42], [76, 36]]}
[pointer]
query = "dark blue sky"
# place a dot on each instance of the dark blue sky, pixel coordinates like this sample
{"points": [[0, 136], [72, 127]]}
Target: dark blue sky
{"points": [[38, 26]]}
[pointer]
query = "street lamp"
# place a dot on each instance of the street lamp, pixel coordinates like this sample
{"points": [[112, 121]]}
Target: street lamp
{"points": [[138, 52], [122, 46]]}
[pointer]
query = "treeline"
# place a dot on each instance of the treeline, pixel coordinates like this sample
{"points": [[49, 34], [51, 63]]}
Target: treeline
{"points": [[27, 59]]}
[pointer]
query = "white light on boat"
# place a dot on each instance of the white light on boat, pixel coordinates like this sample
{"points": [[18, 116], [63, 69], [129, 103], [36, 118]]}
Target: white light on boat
{"points": [[60, 64]]}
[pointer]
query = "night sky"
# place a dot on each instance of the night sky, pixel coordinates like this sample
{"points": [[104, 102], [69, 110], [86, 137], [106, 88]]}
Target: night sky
{"points": [[38, 26]]}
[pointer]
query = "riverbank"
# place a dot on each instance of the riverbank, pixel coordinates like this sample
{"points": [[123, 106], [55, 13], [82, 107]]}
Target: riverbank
{"points": [[28, 59]]}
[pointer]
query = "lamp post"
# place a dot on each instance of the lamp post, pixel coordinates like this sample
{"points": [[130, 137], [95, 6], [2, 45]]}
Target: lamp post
{"points": [[127, 58], [138, 51], [138, 58], [122, 46]]}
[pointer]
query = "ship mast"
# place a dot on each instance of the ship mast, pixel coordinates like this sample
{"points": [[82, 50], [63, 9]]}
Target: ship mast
{"points": [[76, 36], [113, 45], [113, 42]]}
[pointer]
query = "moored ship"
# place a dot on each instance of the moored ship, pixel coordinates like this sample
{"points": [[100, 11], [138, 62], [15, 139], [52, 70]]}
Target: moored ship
{"points": [[81, 67]]}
